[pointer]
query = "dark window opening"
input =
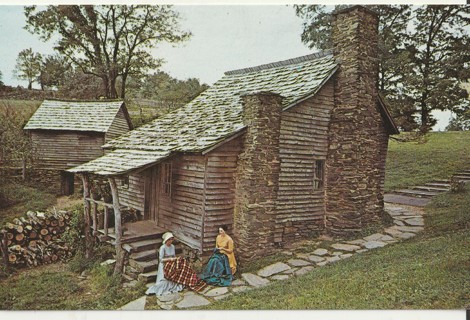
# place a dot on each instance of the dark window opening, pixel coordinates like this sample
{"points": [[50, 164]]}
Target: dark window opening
{"points": [[318, 174], [166, 179], [125, 182]]}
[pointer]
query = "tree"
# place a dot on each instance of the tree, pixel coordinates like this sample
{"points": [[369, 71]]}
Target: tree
{"points": [[168, 91], [1, 79], [15, 143], [439, 60], [460, 122], [79, 85], [422, 57], [55, 70], [108, 41], [28, 66]]}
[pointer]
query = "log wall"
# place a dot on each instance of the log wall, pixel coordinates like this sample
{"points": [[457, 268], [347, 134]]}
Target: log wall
{"points": [[61, 150], [133, 194], [303, 139], [118, 127], [182, 212], [221, 167]]}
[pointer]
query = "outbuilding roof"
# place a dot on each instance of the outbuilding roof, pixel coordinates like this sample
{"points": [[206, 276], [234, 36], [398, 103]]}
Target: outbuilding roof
{"points": [[216, 114], [96, 116]]}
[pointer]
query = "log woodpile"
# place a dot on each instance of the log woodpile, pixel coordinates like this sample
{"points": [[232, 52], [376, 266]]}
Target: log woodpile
{"points": [[36, 239]]}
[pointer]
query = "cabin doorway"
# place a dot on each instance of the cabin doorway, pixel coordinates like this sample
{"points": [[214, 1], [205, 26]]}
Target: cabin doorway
{"points": [[152, 194], [67, 183]]}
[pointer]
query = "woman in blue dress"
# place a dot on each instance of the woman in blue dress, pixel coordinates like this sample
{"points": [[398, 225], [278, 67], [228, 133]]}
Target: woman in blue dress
{"points": [[164, 286]]}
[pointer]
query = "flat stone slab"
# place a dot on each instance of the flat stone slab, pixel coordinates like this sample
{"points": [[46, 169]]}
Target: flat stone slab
{"points": [[222, 296], [241, 289], [345, 256], [415, 222], [393, 232], [398, 222], [387, 238], [304, 270], [333, 259], [374, 244], [374, 237], [406, 235], [409, 229], [277, 267], [287, 253], [320, 252], [409, 201], [254, 280], [321, 264], [136, 305], [280, 277], [362, 250], [290, 271], [216, 292], [171, 297], [298, 263], [192, 300], [238, 282], [357, 242], [315, 258], [345, 247], [302, 256]]}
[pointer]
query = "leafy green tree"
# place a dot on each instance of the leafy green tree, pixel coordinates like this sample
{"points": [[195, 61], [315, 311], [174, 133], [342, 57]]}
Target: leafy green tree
{"points": [[78, 85], [1, 80], [461, 122], [15, 143], [55, 70], [422, 57], [439, 59], [168, 91], [108, 41], [28, 66]]}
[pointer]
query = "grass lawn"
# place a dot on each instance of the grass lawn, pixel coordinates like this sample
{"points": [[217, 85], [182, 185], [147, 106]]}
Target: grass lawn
{"points": [[54, 287], [412, 163], [428, 272], [23, 197]]}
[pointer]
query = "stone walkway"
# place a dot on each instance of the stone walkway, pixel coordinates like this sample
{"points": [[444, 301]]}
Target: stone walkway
{"points": [[408, 221]]}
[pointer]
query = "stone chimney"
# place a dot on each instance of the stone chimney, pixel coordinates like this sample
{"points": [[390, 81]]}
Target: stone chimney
{"points": [[258, 175], [355, 162]]}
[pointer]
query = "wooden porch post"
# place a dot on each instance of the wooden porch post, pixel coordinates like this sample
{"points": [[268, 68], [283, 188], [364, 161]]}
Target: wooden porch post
{"points": [[86, 205], [118, 268]]}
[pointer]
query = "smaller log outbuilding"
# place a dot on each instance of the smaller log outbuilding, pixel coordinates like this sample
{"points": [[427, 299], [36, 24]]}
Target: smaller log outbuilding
{"points": [[69, 133]]}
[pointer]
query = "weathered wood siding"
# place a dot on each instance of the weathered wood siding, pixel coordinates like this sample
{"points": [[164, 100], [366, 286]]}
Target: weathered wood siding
{"points": [[133, 194], [118, 127], [60, 150], [303, 139], [220, 190], [182, 213]]}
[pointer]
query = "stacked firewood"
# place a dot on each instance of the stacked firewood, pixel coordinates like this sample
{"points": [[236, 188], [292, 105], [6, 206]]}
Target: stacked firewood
{"points": [[36, 238]]}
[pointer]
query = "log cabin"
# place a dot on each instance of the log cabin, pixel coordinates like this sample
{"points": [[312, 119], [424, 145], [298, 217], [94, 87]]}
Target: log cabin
{"points": [[277, 152], [69, 133]]}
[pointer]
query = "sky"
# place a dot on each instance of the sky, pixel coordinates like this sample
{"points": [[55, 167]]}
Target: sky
{"points": [[225, 37]]}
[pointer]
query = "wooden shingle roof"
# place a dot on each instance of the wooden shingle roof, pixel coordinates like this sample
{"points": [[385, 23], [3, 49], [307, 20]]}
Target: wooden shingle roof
{"points": [[96, 116], [216, 114]]}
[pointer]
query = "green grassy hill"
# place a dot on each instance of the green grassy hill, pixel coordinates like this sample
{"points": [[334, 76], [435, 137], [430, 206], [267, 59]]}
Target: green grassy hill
{"points": [[441, 155]]}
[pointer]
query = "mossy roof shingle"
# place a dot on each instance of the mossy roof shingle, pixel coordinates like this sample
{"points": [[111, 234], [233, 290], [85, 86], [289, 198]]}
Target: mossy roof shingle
{"points": [[216, 114], [96, 116]]}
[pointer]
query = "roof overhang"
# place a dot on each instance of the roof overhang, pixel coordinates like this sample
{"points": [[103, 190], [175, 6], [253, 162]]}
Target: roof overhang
{"points": [[387, 117]]}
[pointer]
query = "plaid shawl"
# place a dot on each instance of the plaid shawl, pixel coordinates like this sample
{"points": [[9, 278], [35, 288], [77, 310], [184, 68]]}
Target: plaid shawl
{"points": [[179, 271]]}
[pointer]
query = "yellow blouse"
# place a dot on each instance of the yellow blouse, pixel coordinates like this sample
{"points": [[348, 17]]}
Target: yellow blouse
{"points": [[226, 243]]}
